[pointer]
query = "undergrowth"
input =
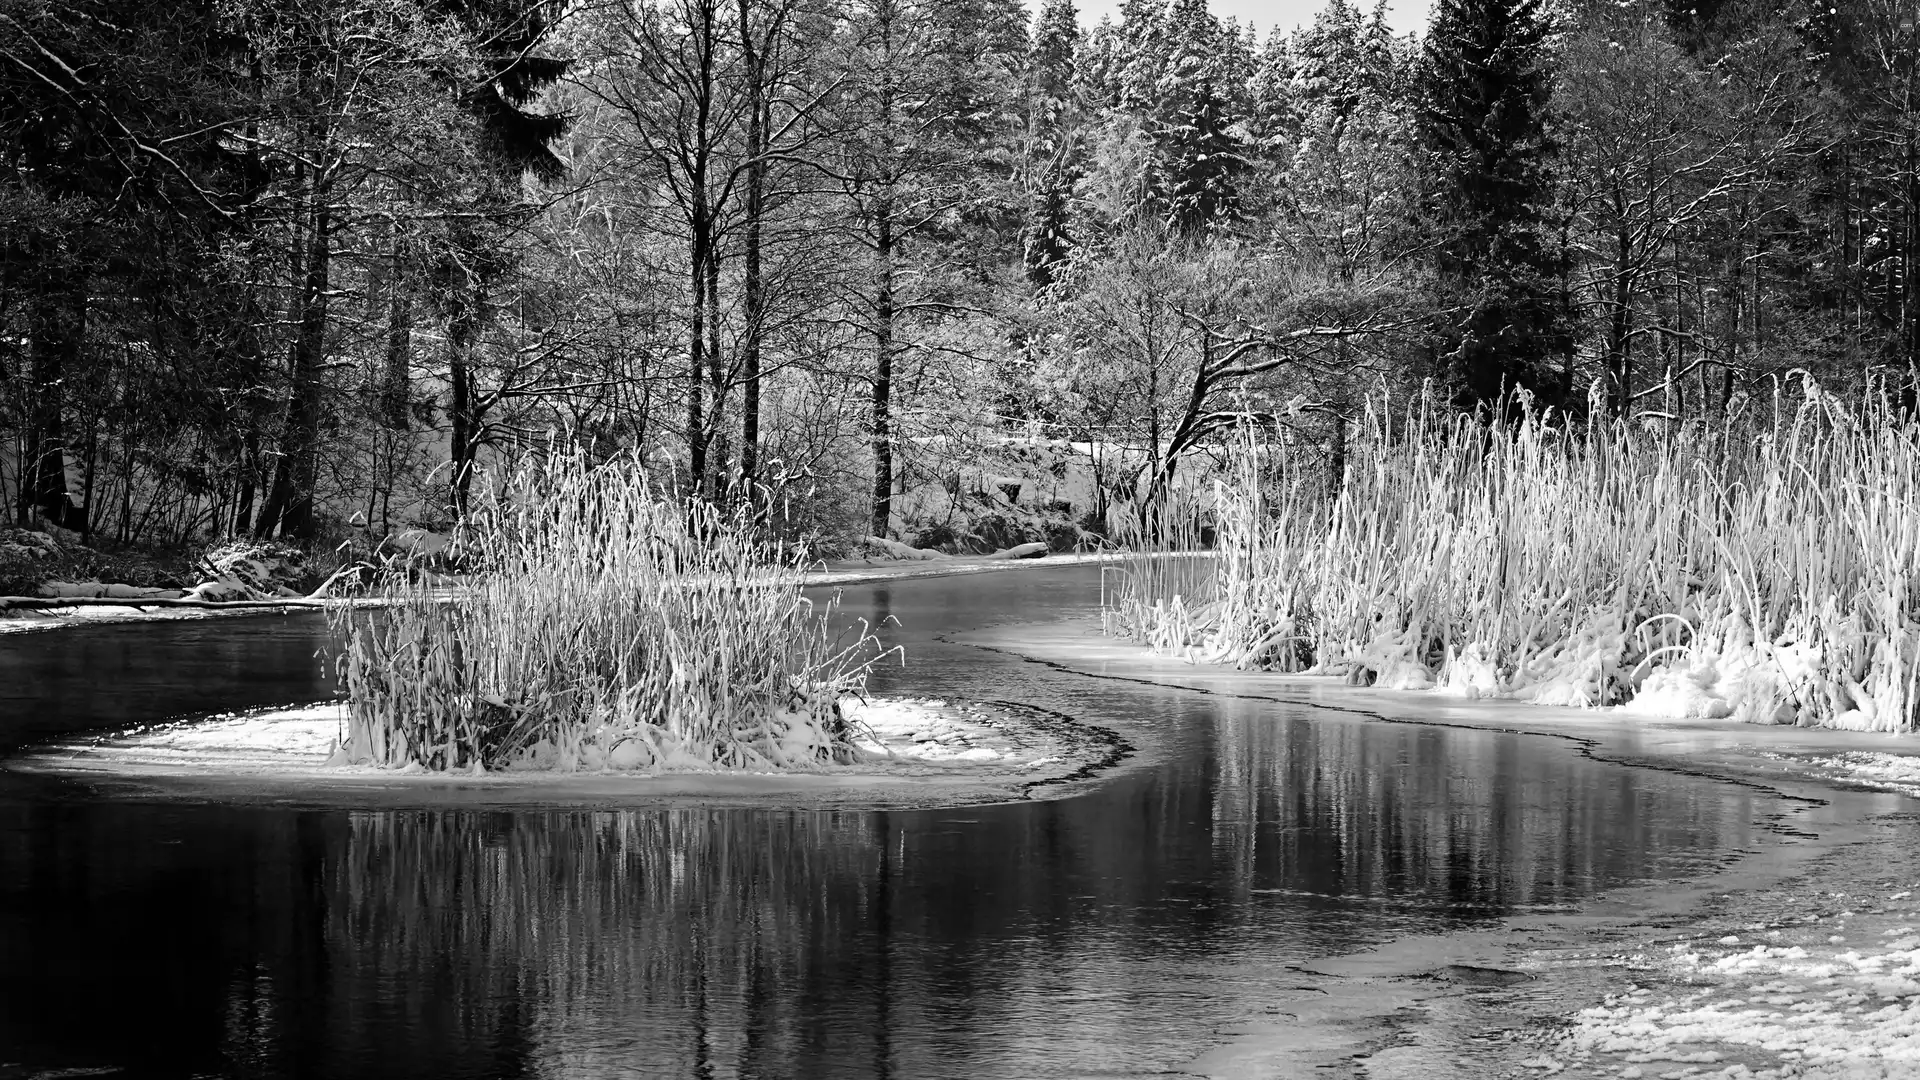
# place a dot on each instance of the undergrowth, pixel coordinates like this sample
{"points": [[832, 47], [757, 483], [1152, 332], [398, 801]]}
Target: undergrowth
{"points": [[605, 625], [1768, 572]]}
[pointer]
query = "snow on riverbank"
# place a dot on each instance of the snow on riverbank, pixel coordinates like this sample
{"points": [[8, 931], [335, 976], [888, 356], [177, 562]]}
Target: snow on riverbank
{"points": [[289, 749], [931, 732], [849, 572]]}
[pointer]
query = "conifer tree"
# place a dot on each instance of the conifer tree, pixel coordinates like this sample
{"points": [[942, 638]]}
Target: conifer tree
{"points": [[1273, 116], [1483, 91], [515, 140], [1190, 83], [932, 94], [1198, 179], [1053, 115]]}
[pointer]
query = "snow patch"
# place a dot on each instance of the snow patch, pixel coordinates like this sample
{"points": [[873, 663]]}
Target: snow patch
{"points": [[894, 549], [892, 736], [112, 591], [1805, 1006]]}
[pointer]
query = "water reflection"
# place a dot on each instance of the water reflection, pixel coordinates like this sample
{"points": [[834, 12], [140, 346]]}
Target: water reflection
{"points": [[89, 678], [1103, 934]]}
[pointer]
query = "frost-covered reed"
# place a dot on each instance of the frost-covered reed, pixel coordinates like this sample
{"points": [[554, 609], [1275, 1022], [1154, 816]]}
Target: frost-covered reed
{"points": [[1768, 572], [605, 625]]}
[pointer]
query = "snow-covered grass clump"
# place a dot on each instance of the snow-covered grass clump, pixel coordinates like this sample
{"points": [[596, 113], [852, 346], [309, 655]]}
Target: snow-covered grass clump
{"points": [[606, 625], [1767, 572]]}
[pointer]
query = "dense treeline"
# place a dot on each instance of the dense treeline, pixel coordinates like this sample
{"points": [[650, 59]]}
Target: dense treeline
{"points": [[288, 267]]}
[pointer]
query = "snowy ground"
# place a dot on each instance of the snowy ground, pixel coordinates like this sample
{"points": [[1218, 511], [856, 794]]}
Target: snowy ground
{"points": [[914, 750], [54, 619], [926, 734], [845, 572], [853, 571]]}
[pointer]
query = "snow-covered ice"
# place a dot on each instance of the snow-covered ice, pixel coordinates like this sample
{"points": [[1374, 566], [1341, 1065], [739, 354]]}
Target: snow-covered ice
{"points": [[1805, 1001]]}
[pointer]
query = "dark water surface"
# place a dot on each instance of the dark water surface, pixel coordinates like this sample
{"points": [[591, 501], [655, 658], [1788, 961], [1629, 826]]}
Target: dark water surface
{"points": [[1103, 934]]}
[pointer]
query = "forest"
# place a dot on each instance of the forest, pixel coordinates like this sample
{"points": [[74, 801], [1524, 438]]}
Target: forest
{"points": [[302, 269]]}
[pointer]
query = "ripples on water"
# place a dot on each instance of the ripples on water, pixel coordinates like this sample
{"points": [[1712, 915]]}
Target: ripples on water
{"points": [[1104, 934]]}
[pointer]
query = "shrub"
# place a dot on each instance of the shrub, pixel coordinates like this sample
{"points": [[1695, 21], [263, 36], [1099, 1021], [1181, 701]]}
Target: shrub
{"points": [[606, 625], [1767, 575]]}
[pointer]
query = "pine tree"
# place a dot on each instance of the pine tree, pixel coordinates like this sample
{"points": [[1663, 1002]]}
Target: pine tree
{"points": [[1198, 178], [1195, 111], [1342, 194], [1053, 117], [515, 140], [114, 181], [1483, 91], [1050, 61], [1046, 242], [1274, 118]]}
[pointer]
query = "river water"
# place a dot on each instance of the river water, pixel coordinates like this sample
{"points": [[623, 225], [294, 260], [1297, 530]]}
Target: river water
{"points": [[1107, 930]]}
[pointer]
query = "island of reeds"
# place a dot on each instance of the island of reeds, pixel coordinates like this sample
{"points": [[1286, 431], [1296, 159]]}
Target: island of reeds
{"points": [[598, 623], [1763, 569]]}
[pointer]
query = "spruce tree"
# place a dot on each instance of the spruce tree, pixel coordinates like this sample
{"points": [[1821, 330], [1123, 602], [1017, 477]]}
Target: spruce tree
{"points": [[1483, 90], [1198, 178], [515, 140], [1053, 115], [1193, 114], [1050, 60]]}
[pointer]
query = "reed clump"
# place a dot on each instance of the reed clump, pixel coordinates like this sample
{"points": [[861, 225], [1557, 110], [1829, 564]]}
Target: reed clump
{"points": [[1765, 571], [605, 625]]}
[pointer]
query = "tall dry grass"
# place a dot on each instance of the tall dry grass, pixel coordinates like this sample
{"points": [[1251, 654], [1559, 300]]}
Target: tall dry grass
{"points": [[605, 625], [1766, 571]]}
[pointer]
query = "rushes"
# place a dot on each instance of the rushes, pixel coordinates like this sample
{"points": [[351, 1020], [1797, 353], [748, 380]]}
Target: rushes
{"points": [[605, 626], [1769, 576]]}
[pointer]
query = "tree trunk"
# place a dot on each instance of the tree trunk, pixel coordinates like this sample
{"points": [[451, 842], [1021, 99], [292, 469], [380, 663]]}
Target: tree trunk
{"points": [[59, 328], [462, 329], [243, 502], [697, 352], [882, 423], [396, 390], [718, 377], [1620, 331], [289, 507], [753, 310]]}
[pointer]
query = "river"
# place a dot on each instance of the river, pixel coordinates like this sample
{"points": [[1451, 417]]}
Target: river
{"points": [[1107, 929]]}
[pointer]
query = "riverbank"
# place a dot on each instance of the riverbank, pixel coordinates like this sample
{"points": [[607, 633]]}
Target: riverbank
{"points": [[104, 609], [1798, 958], [911, 752]]}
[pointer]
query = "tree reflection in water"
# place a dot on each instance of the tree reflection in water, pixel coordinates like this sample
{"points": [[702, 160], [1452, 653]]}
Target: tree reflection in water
{"points": [[622, 943], [996, 941]]}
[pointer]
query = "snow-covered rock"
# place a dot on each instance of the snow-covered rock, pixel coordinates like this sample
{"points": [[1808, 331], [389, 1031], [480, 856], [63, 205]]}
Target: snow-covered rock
{"points": [[27, 544], [249, 570]]}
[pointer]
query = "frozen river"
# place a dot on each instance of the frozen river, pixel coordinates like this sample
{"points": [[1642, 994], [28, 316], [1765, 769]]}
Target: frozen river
{"points": [[1110, 929]]}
